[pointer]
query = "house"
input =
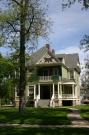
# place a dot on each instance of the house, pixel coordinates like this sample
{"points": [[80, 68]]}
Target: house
{"points": [[53, 79]]}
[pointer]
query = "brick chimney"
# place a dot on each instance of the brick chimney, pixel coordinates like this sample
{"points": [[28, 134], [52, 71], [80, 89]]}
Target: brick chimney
{"points": [[53, 51], [48, 47]]}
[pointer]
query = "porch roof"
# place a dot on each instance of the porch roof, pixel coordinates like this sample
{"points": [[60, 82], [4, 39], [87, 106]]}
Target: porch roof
{"points": [[68, 81]]}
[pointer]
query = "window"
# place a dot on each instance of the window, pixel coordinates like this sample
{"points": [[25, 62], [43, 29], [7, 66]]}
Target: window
{"points": [[66, 89]]}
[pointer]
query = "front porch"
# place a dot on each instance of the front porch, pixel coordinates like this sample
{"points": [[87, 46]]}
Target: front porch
{"points": [[55, 95]]}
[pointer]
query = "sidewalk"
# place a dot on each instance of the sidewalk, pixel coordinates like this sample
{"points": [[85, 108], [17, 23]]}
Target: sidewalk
{"points": [[76, 119], [43, 126]]}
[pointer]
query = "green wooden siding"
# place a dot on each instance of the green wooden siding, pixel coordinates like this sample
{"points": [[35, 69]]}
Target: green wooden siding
{"points": [[64, 72]]}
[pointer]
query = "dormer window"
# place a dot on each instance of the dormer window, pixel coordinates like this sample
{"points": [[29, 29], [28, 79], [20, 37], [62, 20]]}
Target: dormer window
{"points": [[48, 59]]}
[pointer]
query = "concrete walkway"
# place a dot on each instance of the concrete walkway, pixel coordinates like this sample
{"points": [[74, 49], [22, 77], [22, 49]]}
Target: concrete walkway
{"points": [[76, 119], [43, 126]]}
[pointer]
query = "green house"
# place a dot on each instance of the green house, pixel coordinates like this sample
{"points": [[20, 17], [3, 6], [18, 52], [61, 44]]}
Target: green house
{"points": [[53, 79]]}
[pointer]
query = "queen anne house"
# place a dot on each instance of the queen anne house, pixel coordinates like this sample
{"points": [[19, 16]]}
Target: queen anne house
{"points": [[53, 80]]}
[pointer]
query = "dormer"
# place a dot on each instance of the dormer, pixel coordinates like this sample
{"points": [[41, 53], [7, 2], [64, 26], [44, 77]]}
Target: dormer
{"points": [[78, 64], [62, 60]]}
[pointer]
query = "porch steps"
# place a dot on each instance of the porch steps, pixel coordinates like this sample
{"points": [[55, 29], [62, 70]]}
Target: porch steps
{"points": [[44, 103]]}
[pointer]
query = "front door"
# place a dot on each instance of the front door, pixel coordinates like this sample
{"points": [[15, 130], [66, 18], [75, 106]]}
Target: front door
{"points": [[45, 92]]}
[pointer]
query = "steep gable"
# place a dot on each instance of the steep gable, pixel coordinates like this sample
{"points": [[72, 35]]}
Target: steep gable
{"points": [[43, 55], [46, 55], [47, 59]]}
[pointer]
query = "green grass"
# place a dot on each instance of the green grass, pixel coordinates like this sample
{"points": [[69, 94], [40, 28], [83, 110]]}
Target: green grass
{"points": [[84, 111], [44, 131], [41, 116]]}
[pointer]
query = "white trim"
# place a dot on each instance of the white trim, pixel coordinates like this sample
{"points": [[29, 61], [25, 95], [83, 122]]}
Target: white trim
{"points": [[69, 83], [39, 91], [34, 91], [58, 90], [53, 91], [41, 58]]}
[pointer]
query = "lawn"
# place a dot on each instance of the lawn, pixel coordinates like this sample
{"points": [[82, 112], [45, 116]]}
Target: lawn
{"points": [[44, 131], [41, 116], [84, 111]]}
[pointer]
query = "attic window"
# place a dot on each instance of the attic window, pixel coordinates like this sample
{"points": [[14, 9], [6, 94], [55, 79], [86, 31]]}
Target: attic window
{"points": [[48, 59]]}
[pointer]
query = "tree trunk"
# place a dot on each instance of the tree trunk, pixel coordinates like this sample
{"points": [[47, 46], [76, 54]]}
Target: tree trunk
{"points": [[22, 81], [0, 102]]}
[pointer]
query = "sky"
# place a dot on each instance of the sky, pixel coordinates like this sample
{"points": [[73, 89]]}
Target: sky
{"points": [[69, 27]]}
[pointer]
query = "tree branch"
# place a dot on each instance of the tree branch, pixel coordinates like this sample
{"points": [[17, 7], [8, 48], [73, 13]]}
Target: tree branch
{"points": [[12, 26], [27, 31], [17, 3]]}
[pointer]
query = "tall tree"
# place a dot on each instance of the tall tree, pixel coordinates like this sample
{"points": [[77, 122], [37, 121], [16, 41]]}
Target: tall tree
{"points": [[23, 21]]}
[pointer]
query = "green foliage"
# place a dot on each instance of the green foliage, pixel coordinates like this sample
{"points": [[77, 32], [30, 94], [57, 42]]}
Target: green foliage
{"points": [[6, 78], [33, 78], [55, 78], [36, 23]]}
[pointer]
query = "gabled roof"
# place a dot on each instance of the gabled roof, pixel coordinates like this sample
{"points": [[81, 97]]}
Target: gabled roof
{"points": [[71, 60], [37, 55]]}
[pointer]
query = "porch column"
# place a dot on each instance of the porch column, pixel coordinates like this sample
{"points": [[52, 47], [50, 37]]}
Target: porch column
{"points": [[61, 90], [34, 91], [76, 91], [27, 92], [39, 90], [53, 90], [60, 95], [73, 90], [58, 90]]}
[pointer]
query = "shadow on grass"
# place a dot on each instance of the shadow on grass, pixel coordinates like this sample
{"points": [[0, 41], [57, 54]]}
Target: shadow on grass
{"points": [[41, 116], [44, 131]]}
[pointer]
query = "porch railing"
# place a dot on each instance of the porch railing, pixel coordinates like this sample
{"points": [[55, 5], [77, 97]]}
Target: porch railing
{"points": [[50, 78], [67, 95], [45, 78]]}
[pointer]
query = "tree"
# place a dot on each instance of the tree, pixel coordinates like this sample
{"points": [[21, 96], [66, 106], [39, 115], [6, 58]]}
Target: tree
{"points": [[85, 46], [22, 22], [6, 79], [68, 3]]}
